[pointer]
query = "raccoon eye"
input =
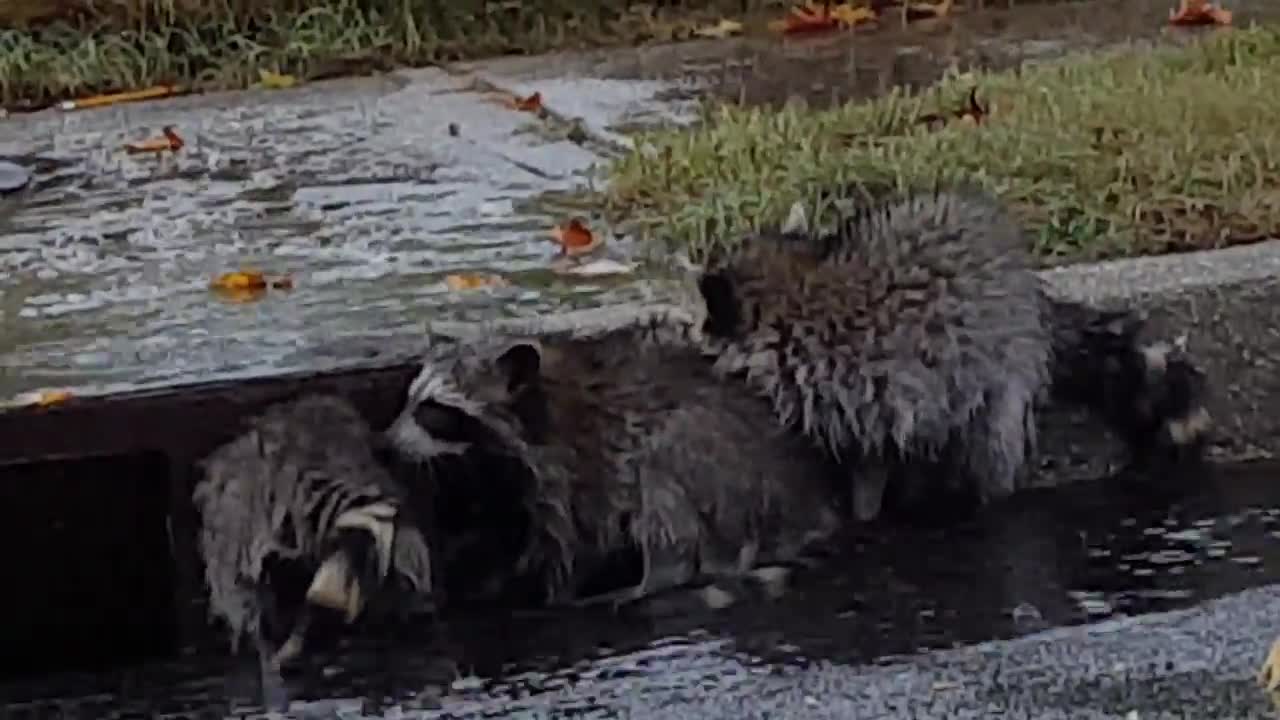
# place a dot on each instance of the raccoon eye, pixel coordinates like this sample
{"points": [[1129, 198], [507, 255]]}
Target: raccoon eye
{"points": [[443, 422]]}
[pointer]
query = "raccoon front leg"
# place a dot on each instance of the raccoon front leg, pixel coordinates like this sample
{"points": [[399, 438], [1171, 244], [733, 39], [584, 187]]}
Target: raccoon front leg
{"points": [[275, 696], [997, 443], [665, 567], [868, 491]]}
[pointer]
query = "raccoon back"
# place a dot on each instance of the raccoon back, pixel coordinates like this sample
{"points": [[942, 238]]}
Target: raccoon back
{"points": [[888, 333]]}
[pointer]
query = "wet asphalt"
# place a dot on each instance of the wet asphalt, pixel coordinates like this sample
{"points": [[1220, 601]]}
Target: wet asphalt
{"points": [[1094, 600]]}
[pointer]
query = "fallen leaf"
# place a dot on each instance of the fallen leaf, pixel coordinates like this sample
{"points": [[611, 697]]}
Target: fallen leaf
{"points": [[820, 17], [722, 29], [169, 141], [240, 280], [1199, 12], [46, 398], [532, 104], [459, 282], [102, 100], [575, 237], [275, 81], [569, 265]]}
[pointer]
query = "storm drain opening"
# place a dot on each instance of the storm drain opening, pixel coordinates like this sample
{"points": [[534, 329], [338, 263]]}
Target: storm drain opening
{"points": [[88, 572]]}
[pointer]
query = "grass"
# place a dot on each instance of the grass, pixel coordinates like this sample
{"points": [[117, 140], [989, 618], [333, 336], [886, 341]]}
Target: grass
{"points": [[59, 49], [1126, 153]]}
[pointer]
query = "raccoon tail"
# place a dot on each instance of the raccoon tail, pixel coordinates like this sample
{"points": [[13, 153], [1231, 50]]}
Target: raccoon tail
{"points": [[1151, 394], [363, 548]]}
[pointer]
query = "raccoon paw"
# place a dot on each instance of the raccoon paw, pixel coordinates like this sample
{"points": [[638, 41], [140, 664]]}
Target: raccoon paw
{"points": [[1269, 674], [717, 598], [773, 580]]}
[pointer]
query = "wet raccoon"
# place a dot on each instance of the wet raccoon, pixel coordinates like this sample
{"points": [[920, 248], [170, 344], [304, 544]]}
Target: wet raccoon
{"points": [[298, 513], [622, 442], [914, 341]]}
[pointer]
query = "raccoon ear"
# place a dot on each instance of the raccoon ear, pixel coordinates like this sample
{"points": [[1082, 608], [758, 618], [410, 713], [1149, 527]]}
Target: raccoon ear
{"points": [[723, 314], [522, 364]]}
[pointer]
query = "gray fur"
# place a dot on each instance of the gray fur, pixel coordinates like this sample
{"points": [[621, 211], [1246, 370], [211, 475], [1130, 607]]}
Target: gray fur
{"points": [[631, 442], [913, 343], [280, 492]]}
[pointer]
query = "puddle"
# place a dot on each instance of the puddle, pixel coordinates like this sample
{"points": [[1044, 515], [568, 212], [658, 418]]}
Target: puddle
{"points": [[1060, 558]]}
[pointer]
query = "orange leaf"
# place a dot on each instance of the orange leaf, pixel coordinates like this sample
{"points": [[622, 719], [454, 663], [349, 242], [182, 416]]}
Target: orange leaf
{"points": [[45, 398], [248, 285], [472, 281], [170, 141], [532, 104], [575, 237], [240, 280], [1199, 12], [820, 17]]}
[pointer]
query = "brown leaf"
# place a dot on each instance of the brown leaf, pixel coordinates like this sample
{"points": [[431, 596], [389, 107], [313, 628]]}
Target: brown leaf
{"points": [[575, 237], [532, 104], [459, 282], [1199, 12], [169, 141]]}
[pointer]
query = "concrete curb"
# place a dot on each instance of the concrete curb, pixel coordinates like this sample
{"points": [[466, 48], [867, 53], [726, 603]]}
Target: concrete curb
{"points": [[1224, 303]]}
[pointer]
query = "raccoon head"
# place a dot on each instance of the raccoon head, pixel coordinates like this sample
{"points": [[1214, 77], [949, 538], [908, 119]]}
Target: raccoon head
{"points": [[482, 395], [737, 280], [470, 418]]}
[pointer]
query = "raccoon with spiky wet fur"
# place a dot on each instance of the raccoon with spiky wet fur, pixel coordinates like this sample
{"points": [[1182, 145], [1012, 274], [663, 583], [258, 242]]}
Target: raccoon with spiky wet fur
{"points": [[299, 513], [619, 443], [914, 341]]}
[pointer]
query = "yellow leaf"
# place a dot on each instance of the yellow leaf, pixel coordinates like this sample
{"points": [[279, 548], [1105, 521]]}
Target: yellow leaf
{"points": [[722, 29], [472, 281], [275, 81], [850, 16], [240, 280], [52, 397]]}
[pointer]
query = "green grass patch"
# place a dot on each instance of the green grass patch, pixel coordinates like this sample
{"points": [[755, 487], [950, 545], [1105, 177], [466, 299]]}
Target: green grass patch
{"points": [[59, 49], [1124, 153]]}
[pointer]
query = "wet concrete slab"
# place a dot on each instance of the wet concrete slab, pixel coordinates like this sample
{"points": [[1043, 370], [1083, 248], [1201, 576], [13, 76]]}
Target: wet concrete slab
{"points": [[1089, 601], [366, 191], [369, 191]]}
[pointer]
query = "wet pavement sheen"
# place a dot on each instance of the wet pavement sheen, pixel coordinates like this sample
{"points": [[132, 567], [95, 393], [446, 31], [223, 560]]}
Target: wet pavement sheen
{"points": [[1087, 601]]}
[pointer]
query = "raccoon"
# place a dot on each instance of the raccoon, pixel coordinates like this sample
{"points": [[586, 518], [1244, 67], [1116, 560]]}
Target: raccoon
{"points": [[621, 444], [298, 514], [913, 342]]}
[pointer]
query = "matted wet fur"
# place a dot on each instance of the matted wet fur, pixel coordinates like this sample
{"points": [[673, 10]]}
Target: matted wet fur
{"points": [[914, 341], [298, 514], [623, 444]]}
